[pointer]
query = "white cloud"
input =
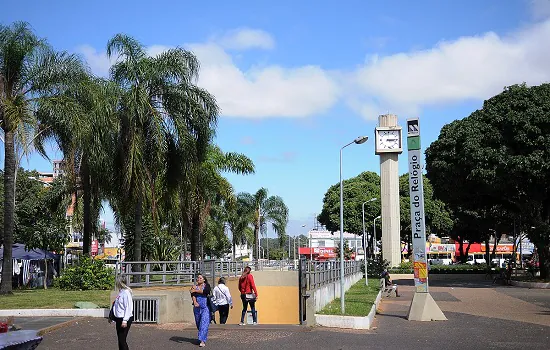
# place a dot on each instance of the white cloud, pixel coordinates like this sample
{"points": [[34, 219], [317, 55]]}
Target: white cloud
{"points": [[256, 92], [452, 71], [98, 61], [261, 92], [246, 38]]}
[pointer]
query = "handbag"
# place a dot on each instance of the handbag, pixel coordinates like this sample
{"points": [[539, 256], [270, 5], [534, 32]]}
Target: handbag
{"points": [[112, 312], [210, 303]]}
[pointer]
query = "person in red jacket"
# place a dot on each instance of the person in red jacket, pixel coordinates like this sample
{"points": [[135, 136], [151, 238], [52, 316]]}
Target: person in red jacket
{"points": [[249, 294]]}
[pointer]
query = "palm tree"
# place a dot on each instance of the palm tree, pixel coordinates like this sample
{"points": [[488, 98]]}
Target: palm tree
{"points": [[266, 209], [86, 139], [206, 186], [239, 220], [160, 110], [32, 75]]}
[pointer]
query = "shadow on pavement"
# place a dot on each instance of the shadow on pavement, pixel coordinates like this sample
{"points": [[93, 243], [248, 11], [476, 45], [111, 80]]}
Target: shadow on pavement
{"points": [[184, 340], [392, 315]]}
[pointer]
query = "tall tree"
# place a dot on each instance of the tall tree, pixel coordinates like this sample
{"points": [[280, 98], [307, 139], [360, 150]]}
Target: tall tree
{"points": [[266, 210], [207, 187], [240, 217], [160, 108], [31, 75], [497, 160], [86, 138], [357, 190]]}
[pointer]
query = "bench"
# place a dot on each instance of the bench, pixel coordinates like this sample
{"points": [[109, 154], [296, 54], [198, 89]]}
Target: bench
{"points": [[387, 291]]}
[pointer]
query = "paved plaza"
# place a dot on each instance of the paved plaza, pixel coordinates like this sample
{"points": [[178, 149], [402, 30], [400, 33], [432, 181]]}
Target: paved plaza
{"points": [[481, 316]]}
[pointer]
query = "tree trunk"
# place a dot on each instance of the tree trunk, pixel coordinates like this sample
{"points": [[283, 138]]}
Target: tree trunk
{"points": [[137, 236], [195, 237], [488, 255], [256, 252], [87, 197], [9, 207], [234, 245]]}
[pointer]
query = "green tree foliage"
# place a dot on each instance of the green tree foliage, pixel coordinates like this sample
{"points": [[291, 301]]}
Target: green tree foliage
{"points": [[364, 187], [32, 75], [493, 166], [347, 250], [357, 190], [265, 209]]}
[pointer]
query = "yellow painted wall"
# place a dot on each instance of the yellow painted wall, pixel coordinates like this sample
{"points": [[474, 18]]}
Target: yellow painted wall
{"points": [[276, 304]]}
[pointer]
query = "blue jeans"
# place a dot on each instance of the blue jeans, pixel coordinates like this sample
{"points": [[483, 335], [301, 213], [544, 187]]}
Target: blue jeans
{"points": [[252, 308]]}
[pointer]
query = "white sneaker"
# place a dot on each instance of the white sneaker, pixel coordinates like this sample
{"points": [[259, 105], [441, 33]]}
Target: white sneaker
{"points": [[241, 324], [255, 323]]}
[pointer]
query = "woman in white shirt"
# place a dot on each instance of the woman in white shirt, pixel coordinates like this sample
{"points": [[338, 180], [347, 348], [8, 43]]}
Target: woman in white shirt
{"points": [[123, 309], [222, 299]]}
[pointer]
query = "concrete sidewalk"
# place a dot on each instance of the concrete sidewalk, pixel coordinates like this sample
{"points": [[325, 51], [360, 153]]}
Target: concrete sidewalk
{"points": [[480, 315], [40, 323]]}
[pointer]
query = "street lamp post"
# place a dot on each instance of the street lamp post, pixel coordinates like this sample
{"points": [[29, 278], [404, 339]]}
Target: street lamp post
{"points": [[374, 232], [359, 140], [365, 239]]}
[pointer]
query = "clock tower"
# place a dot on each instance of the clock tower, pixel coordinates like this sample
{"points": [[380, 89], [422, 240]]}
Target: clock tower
{"points": [[388, 145]]}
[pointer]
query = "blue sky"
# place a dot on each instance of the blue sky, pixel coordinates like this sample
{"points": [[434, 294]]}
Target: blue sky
{"points": [[297, 80]]}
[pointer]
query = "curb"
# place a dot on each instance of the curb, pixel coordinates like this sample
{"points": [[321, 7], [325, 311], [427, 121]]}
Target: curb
{"points": [[55, 327], [536, 285], [353, 322], [55, 313]]}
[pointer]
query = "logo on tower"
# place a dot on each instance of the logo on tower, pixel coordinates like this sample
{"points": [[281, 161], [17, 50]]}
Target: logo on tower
{"points": [[412, 127]]}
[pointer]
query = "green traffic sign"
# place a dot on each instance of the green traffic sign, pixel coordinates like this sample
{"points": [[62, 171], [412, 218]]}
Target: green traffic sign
{"points": [[413, 142]]}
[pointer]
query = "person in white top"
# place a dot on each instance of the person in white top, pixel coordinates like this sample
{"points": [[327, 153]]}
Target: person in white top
{"points": [[222, 299], [123, 309]]}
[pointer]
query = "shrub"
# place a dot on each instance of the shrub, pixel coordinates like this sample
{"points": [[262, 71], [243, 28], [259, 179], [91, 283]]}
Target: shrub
{"points": [[443, 269], [88, 274]]}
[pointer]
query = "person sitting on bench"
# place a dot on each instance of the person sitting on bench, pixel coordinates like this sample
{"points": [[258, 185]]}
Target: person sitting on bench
{"points": [[389, 283]]}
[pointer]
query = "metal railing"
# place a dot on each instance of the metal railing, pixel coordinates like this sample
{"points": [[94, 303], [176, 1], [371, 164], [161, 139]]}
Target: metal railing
{"points": [[183, 273], [319, 273]]}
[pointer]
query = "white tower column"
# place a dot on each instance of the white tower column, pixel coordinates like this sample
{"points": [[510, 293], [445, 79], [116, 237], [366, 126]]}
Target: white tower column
{"points": [[389, 181]]}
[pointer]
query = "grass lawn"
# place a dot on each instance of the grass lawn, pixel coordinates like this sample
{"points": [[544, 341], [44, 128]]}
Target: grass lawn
{"points": [[359, 299], [52, 298]]}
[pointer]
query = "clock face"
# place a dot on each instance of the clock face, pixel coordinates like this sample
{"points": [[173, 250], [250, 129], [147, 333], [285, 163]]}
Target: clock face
{"points": [[389, 139]]}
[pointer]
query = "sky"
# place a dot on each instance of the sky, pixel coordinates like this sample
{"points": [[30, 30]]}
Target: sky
{"points": [[297, 80]]}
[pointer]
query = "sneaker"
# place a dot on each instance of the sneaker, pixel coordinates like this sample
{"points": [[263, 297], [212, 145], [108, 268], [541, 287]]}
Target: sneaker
{"points": [[241, 324], [202, 344], [255, 323]]}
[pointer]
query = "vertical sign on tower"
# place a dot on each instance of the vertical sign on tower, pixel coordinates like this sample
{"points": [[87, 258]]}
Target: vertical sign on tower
{"points": [[416, 191]]}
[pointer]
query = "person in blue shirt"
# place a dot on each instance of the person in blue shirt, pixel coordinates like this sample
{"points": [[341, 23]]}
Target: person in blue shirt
{"points": [[199, 294]]}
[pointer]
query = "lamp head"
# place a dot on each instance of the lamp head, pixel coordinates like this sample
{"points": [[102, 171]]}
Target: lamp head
{"points": [[378, 217], [373, 199], [361, 139]]}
